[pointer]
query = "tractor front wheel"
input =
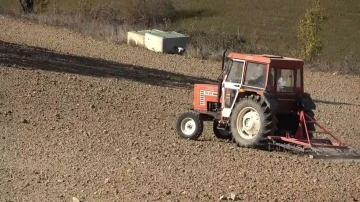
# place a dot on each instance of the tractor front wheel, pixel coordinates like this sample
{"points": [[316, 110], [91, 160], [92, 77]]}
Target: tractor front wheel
{"points": [[251, 121], [189, 125]]}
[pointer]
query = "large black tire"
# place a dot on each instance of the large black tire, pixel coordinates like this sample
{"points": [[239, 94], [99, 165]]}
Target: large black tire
{"points": [[189, 125], [219, 133], [261, 119]]}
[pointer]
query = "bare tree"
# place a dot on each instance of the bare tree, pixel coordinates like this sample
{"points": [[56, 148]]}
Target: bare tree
{"points": [[27, 5]]}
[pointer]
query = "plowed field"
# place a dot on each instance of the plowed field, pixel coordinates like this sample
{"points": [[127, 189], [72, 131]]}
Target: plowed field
{"points": [[87, 119]]}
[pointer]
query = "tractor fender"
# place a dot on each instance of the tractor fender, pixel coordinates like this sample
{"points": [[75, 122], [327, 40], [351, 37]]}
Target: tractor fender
{"points": [[306, 103], [271, 101]]}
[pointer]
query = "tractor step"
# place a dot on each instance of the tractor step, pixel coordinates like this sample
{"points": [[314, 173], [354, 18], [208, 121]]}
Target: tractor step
{"points": [[222, 125], [221, 128]]}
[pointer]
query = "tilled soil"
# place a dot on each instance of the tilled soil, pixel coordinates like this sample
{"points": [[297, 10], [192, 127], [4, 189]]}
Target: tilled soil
{"points": [[95, 121]]}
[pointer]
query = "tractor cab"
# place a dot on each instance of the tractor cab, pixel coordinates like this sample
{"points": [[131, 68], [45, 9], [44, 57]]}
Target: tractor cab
{"points": [[245, 74]]}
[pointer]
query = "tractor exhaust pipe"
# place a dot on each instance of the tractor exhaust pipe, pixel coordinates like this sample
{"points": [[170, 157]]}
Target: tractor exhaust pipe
{"points": [[223, 60], [218, 105]]}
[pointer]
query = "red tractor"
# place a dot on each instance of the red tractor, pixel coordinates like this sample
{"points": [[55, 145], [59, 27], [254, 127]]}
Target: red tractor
{"points": [[259, 100]]}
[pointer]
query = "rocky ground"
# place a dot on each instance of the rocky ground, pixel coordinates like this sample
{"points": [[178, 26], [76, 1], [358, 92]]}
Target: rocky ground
{"points": [[87, 120]]}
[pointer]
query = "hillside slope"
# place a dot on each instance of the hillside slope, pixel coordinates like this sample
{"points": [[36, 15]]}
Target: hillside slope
{"points": [[92, 120], [272, 24]]}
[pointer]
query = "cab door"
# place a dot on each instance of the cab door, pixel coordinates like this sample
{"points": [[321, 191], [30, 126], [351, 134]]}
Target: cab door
{"points": [[231, 85], [286, 89]]}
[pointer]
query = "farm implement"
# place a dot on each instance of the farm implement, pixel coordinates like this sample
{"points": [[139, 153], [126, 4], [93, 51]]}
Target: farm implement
{"points": [[260, 100]]}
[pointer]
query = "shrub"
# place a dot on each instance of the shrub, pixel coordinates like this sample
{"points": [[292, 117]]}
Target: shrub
{"points": [[309, 32], [210, 45], [27, 5], [37, 6], [41, 5], [149, 12], [106, 13]]}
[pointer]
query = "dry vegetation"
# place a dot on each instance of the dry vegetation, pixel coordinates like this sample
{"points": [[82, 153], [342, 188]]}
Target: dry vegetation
{"points": [[261, 28]]}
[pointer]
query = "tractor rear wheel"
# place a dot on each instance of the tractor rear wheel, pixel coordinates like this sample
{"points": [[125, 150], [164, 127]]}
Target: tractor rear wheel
{"points": [[189, 125], [221, 133], [251, 121]]}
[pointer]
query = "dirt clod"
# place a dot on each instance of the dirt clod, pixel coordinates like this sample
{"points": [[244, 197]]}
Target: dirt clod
{"points": [[74, 199], [223, 198], [233, 197]]}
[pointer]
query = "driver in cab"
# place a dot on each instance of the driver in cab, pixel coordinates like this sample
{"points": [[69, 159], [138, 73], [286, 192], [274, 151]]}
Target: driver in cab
{"points": [[261, 77]]}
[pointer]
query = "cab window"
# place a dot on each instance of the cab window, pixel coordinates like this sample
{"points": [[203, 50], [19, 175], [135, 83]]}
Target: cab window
{"points": [[236, 70], [256, 75], [285, 80]]}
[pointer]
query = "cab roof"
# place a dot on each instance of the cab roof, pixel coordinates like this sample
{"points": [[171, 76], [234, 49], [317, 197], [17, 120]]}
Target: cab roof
{"points": [[262, 58]]}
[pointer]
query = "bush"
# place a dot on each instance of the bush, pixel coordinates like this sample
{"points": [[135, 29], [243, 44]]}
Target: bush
{"points": [[41, 5], [149, 12], [210, 45], [309, 32], [102, 22], [37, 6], [106, 13]]}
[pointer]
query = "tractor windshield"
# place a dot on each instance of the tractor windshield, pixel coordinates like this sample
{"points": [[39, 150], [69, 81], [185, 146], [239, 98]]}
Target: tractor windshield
{"points": [[235, 73]]}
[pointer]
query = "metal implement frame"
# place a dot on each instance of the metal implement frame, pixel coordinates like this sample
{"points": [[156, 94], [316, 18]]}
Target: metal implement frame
{"points": [[318, 148]]}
